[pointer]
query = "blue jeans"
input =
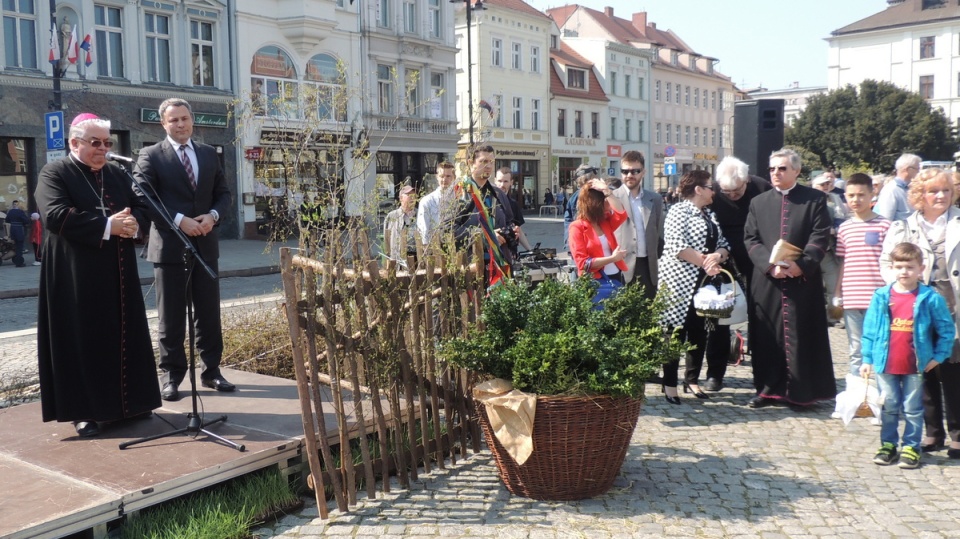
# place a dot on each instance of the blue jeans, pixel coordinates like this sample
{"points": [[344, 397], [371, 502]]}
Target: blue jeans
{"points": [[853, 320], [902, 394]]}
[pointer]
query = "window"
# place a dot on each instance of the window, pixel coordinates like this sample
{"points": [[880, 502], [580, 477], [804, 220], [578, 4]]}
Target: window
{"points": [[409, 16], [669, 92], [613, 128], [677, 95], [109, 41], [657, 133], [595, 124], [927, 47], [640, 83], [157, 29], [626, 85], [323, 89], [704, 98], [535, 59], [20, 33], [518, 113], [696, 97], [498, 103], [201, 53], [434, 9], [411, 88], [576, 78], [674, 57], [383, 13], [627, 126], [274, 90], [437, 91], [613, 83], [656, 90], [578, 123], [676, 132], [496, 52], [640, 130], [713, 100], [713, 138], [686, 96], [686, 135], [535, 114], [554, 42], [720, 97], [385, 90], [517, 60], [722, 131], [926, 86], [561, 122], [696, 136], [669, 137]]}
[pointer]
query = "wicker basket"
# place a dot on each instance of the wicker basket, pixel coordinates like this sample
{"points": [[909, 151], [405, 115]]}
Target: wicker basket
{"points": [[579, 444], [717, 313]]}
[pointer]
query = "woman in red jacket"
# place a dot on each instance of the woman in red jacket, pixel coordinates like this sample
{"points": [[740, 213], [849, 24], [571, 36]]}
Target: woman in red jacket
{"points": [[592, 242]]}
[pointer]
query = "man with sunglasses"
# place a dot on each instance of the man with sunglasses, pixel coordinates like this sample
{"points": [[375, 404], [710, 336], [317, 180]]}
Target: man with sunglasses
{"points": [[642, 234], [189, 181], [95, 353], [792, 362]]}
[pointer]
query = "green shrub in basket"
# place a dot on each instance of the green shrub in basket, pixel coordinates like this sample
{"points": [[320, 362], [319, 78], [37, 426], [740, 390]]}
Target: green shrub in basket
{"points": [[551, 341]]}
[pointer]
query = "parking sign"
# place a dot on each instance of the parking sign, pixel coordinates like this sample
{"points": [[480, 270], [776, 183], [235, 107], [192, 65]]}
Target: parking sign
{"points": [[53, 121]]}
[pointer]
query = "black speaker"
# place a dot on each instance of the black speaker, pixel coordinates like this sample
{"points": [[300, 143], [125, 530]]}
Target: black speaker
{"points": [[757, 133]]}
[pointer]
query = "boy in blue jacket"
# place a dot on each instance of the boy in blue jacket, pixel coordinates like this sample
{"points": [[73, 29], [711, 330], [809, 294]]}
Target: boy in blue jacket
{"points": [[907, 331]]}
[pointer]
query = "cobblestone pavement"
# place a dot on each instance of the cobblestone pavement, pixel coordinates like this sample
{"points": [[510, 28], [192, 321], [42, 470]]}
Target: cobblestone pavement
{"points": [[703, 469]]}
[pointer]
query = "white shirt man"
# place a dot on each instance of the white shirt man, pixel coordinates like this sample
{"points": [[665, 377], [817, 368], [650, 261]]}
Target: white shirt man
{"points": [[437, 207], [642, 234]]}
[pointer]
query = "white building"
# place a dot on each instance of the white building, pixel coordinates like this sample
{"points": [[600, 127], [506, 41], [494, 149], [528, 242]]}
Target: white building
{"points": [[795, 98], [510, 50], [912, 44], [691, 104], [579, 108]]}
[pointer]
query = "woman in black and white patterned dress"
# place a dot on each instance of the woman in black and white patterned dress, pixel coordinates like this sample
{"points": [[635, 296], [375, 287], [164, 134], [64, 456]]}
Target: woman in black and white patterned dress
{"points": [[694, 247]]}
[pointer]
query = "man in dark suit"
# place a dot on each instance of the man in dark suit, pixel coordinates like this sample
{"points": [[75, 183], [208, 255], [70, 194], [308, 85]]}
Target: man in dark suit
{"points": [[189, 181]]}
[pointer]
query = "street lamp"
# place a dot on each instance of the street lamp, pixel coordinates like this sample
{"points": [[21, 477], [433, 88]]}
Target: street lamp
{"points": [[470, 8]]}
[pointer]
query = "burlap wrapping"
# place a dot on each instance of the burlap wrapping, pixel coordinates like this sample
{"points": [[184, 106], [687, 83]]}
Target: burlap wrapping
{"points": [[510, 413]]}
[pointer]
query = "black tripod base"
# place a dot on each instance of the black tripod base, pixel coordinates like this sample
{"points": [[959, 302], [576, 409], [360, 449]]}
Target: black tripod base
{"points": [[194, 426]]}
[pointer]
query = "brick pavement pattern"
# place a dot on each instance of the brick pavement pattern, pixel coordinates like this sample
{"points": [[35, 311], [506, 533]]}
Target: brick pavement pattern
{"points": [[709, 468]]}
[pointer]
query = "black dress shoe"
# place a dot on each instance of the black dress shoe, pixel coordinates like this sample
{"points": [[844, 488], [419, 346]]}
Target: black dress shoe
{"points": [[953, 453], [219, 383], [761, 402], [86, 429], [712, 384], [170, 392], [937, 445]]}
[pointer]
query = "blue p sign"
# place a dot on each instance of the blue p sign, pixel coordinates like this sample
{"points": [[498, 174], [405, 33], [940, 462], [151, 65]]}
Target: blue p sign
{"points": [[55, 133]]}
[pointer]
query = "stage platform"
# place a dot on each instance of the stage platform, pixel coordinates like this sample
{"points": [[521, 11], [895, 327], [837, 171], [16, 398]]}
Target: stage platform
{"points": [[55, 483]]}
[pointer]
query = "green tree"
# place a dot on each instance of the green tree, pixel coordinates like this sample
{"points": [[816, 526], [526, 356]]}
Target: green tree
{"points": [[871, 126]]}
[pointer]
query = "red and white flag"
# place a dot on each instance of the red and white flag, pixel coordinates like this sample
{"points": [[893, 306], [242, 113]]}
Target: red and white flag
{"points": [[54, 45], [72, 51]]}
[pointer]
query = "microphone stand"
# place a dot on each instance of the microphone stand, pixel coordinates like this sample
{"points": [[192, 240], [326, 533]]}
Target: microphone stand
{"points": [[190, 257]]}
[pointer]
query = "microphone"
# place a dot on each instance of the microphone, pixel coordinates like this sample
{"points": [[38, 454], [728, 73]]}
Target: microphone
{"points": [[119, 158]]}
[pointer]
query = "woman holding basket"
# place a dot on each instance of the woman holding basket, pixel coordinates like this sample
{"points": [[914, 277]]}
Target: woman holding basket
{"points": [[694, 248]]}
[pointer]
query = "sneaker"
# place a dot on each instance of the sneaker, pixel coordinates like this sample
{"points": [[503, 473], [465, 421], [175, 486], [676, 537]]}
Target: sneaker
{"points": [[909, 458], [887, 454], [36, 263]]}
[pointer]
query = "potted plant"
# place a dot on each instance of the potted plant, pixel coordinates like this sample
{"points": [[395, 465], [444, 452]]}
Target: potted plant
{"points": [[586, 368]]}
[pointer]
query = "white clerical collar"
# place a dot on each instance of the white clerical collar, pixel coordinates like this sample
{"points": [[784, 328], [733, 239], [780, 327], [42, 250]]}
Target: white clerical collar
{"points": [[785, 191]]}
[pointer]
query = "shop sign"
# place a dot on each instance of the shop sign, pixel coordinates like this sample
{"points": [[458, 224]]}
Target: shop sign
{"points": [[613, 150], [516, 153], [705, 156], [577, 141], [200, 119], [253, 153]]}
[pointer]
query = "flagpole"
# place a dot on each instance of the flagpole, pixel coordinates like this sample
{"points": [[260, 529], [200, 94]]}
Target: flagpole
{"points": [[57, 103]]}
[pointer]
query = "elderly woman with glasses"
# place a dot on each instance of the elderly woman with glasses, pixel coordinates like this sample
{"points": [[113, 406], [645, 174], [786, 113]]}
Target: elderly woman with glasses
{"points": [[935, 228], [694, 248]]}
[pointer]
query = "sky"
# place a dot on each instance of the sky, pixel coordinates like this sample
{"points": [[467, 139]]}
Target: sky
{"points": [[769, 43]]}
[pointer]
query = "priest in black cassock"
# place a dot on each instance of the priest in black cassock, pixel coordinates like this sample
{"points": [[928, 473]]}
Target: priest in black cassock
{"points": [[93, 344], [788, 326]]}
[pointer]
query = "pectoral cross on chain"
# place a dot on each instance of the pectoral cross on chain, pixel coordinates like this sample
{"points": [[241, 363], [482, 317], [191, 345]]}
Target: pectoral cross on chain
{"points": [[103, 208]]}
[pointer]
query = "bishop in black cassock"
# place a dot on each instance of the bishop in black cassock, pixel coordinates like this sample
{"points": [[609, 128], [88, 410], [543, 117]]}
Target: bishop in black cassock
{"points": [[788, 326], [93, 344]]}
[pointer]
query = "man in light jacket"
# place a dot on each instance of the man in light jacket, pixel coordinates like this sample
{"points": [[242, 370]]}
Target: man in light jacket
{"points": [[642, 234]]}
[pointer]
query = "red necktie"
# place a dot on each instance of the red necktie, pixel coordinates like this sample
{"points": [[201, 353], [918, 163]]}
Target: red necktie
{"points": [[187, 165]]}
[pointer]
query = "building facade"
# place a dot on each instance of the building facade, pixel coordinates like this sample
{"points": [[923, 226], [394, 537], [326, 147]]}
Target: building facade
{"points": [[691, 104], [912, 44], [795, 98], [140, 54], [510, 51]]}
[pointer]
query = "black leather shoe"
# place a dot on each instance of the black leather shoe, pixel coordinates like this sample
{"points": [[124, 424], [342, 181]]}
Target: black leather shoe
{"points": [[219, 383], [761, 402], [937, 445], [86, 429], [712, 384], [170, 392]]}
